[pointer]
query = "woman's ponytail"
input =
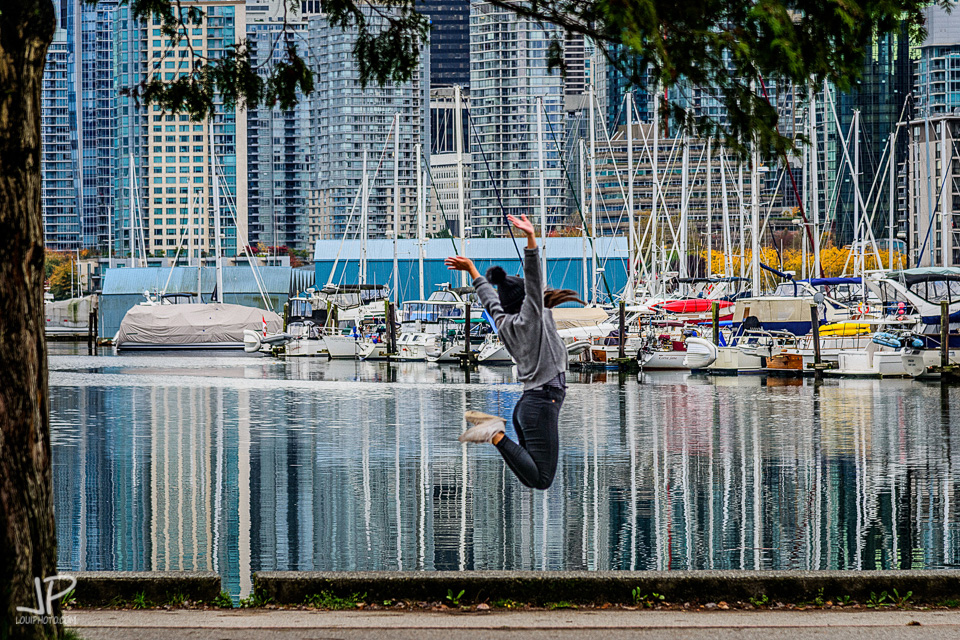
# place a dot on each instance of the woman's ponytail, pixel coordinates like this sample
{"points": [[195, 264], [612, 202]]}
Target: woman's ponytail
{"points": [[554, 297]]}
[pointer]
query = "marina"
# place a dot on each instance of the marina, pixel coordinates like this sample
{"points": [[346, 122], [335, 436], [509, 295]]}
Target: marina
{"points": [[247, 463]]}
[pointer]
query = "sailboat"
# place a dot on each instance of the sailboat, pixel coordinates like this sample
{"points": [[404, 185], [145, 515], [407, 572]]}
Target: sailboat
{"points": [[166, 323]]}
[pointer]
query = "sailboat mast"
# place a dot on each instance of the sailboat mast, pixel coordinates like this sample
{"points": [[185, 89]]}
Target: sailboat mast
{"points": [[543, 190], [132, 237], [743, 223], [684, 209], [196, 204], [396, 206], [709, 210], [583, 219], [421, 215], [458, 145], [364, 197], [216, 214], [805, 205], [631, 258], [814, 181], [893, 179], [755, 219], [857, 267], [946, 154], [655, 206], [593, 198], [727, 244]]}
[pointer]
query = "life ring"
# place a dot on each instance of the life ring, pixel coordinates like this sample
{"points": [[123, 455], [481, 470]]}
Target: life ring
{"points": [[862, 310]]}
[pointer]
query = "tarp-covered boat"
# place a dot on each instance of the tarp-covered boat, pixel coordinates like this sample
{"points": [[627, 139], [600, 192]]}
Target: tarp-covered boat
{"points": [[213, 325]]}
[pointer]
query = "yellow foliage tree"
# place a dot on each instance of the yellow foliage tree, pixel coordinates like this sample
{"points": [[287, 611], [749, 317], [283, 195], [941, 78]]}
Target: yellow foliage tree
{"points": [[835, 261], [61, 280]]}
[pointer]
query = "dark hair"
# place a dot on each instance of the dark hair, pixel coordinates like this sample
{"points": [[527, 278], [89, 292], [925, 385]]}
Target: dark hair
{"points": [[511, 292], [554, 297], [496, 275]]}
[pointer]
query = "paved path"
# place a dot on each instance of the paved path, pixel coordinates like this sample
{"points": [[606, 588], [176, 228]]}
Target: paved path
{"points": [[590, 625]]}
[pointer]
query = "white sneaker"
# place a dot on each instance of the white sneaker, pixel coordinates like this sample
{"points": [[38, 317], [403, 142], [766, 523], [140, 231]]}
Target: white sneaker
{"points": [[484, 429], [478, 417]]}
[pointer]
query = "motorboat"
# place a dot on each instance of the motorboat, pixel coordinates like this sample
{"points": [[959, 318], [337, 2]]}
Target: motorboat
{"points": [[494, 352], [423, 322], [788, 308]]}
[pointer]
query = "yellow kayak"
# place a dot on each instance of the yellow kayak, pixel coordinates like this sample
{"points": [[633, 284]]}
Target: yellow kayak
{"points": [[845, 329]]}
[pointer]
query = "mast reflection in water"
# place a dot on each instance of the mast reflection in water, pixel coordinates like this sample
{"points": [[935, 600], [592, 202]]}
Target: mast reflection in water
{"points": [[238, 465]]}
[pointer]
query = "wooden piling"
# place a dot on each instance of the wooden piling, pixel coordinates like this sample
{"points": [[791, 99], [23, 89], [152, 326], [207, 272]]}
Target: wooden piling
{"points": [[622, 335], [391, 329], [467, 358], [815, 329], [944, 333], [715, 311], [90, 323]]}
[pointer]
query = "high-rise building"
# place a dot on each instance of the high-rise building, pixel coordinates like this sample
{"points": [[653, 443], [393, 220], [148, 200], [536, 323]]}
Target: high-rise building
{"points": [[348, 121], [449, 41], [933, 211], [445, 193], [617, 85], [79, 143], [881, 96], [58, 200], [508, 74], [181, 172], [937, 64], [933, 192], [277, 140]]}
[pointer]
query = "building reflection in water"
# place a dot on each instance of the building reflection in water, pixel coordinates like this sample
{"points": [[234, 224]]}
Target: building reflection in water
{"points": [[669, 473]]}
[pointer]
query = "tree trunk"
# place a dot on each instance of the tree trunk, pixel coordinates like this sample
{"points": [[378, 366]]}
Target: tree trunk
{"points": [[27, 531]]}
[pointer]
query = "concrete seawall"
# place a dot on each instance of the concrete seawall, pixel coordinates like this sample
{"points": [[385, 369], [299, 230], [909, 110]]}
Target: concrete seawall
{"points": [[541, 587], [103, 588]]}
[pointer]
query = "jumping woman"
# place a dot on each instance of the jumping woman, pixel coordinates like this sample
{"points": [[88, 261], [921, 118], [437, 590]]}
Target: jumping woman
{"points": [[521, 311]]}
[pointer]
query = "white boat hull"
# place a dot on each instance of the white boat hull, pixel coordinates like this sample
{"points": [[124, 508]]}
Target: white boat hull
{"points": [[340, 346], [663, 360], [918, 364], [730, 360], [873, 361], [372, 350], [700, 353], [494, 353]]}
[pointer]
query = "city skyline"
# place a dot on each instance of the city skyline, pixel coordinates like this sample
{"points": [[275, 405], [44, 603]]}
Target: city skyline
{"points": [[289, 178]]}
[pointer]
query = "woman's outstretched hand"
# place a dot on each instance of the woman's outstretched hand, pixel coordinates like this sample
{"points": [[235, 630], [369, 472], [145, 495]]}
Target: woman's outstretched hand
{"points": [[525, 227], [461, 263]]}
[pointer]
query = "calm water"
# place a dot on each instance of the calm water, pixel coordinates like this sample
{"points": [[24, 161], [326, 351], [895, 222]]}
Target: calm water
{"points": [[240, 464]]}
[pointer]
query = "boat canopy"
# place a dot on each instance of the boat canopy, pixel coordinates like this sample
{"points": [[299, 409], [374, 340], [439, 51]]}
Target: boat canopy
{"points": [[829, 282], [573, 317], [926, 274], [351, 288], [431, 310], [695, 280]]}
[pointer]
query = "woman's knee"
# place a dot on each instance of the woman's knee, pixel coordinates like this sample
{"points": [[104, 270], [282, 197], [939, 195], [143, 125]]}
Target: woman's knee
{"points": [[544, 481]]}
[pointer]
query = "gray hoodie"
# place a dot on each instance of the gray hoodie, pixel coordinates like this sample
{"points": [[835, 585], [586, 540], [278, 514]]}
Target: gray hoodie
{"points": [[530, 336]]}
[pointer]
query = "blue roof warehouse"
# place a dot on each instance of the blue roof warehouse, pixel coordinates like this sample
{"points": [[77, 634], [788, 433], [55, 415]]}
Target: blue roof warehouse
{"points": [[338, 262]]}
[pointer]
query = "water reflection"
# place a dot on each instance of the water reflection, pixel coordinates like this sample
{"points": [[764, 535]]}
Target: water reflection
{"points": [[242, 465]]}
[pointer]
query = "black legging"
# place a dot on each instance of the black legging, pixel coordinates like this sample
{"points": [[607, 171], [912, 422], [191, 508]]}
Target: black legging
{"points": [[534, 460]]}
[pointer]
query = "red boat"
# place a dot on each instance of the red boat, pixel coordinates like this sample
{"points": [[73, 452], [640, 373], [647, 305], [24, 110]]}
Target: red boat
{"points": [[692, 305]]}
